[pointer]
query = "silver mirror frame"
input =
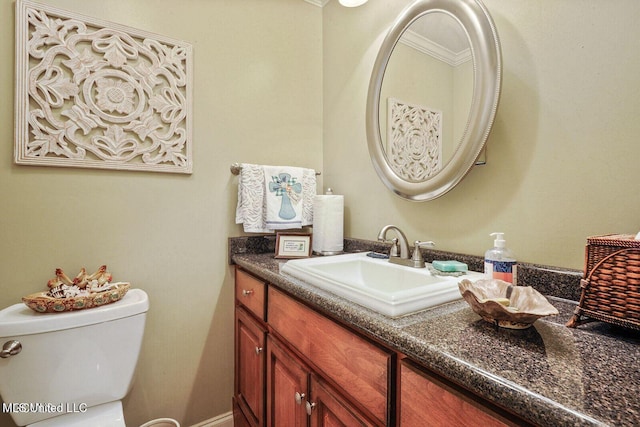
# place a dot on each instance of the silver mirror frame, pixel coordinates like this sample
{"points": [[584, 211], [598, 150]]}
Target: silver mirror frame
{"points": [[487, 80]]}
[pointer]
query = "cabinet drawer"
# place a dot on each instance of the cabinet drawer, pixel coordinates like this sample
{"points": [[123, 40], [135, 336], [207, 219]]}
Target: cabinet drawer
{"points": [[359, 367], [250, 292]]}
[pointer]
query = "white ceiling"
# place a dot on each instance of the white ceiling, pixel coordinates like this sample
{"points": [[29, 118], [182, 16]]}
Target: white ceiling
{"points": [[443, 30]]}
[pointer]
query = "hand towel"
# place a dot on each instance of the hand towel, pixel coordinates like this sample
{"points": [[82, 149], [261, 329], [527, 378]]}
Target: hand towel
{"points": [[293, 193], [289, 193], [251, 209]]}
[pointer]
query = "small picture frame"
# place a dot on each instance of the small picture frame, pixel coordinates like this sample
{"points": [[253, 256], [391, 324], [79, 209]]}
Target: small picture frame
{"points": [[293, 245]]}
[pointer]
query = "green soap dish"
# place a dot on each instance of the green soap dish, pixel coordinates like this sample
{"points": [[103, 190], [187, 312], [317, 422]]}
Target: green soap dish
{"points": [[448, 266]]}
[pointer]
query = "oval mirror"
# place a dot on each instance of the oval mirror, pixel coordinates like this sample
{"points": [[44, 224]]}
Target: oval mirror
{"points": [[433, 96]]}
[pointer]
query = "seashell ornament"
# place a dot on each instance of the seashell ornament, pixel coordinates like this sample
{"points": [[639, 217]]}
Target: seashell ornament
{"points": [[63, 287], [83, 291]]}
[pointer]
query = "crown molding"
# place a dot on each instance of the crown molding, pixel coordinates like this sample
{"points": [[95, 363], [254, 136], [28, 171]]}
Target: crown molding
{"points": [[319, 3], [436, 50]]}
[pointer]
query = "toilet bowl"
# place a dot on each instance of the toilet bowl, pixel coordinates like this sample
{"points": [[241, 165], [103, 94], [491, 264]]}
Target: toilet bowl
{"points": [[73, 368]]}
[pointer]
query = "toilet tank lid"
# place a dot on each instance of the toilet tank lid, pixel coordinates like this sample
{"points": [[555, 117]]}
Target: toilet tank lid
{"points": [[19, 319]]}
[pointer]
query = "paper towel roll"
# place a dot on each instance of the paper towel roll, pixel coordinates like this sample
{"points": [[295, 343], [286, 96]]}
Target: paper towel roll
{"points": [[328, 224]]}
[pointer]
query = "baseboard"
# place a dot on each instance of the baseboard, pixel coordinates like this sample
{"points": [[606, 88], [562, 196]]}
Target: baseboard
{"points": [[224, 420]]}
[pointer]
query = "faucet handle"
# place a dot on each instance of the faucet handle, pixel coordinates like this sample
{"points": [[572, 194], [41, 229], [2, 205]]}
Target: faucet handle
{"points": [[419, 244], [417, 258]]}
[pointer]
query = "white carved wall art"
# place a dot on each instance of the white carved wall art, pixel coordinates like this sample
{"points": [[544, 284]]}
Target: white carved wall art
{"points": [[414, 140], [95, 94]]}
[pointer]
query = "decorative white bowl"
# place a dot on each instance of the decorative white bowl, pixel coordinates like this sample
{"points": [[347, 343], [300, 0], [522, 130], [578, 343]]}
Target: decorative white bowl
{"points": [[508, 306]]}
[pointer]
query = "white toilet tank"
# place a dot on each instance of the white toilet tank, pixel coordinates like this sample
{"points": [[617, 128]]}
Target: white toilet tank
{"points": [[71, 361]]}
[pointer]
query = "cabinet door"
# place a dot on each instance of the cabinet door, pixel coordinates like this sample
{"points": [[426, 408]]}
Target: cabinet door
{"points": [[250, 367], [327, 409], [360, 369], [239, 420], [287, 388], [425, 401]]}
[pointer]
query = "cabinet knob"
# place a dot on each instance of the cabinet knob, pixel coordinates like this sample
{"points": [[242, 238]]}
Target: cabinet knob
{"points": [[259, 350], [310, 407], [299, 397], [246, 293]]}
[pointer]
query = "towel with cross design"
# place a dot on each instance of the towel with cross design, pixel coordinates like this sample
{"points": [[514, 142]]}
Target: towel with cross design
{"points": [[275, 197]]}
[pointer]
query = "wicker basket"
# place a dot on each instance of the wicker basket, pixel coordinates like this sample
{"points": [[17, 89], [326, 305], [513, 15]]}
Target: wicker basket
{"points": [[611, 284]]}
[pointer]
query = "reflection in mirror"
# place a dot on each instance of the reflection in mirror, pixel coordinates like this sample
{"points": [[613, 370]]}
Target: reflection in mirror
{"points": [[429, 115], [426, 96]]}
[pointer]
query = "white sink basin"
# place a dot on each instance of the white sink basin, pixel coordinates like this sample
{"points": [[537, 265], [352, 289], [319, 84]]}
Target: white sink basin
{"points": [[389, 289]]}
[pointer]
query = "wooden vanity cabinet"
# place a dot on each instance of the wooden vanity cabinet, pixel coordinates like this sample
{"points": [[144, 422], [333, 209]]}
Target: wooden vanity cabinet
{"points": [[250, 349], [297, 367]]}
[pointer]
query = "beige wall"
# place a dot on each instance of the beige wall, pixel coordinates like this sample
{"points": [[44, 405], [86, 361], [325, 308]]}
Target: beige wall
{"points": [[561, 163], [257, 98], [563, 154]]}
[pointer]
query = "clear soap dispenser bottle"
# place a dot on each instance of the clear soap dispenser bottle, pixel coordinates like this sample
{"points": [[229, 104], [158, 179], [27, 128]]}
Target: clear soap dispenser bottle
{"points": [[499, 262]]}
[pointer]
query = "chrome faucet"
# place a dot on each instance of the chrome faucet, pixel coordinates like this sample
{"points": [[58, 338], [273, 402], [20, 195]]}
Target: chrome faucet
{"points": [[401, 242]]}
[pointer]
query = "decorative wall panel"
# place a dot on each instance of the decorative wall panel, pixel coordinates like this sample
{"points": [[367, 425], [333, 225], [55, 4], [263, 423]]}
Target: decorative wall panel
{"points": [[96, 94], [414, 140]]}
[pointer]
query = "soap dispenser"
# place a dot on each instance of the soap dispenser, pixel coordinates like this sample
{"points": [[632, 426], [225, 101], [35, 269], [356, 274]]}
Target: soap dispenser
{"points": [[499, 262]]}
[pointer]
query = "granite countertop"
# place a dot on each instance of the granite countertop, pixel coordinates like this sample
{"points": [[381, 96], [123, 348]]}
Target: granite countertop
{"points": [[549, 374]]}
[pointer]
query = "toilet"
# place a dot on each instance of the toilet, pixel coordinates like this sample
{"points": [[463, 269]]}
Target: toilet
{"points": [[73, 369]]}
